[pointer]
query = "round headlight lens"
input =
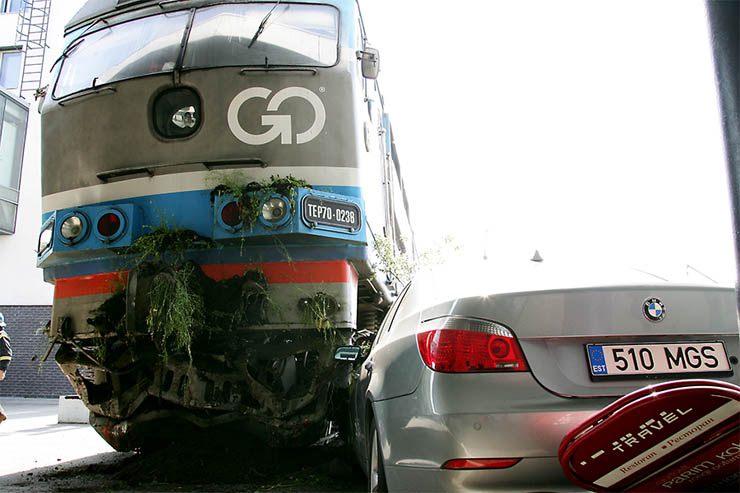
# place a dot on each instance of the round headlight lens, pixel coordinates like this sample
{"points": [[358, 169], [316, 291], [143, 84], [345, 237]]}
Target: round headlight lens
{"points": [[72, 227], [185, 117], [177, 113], [274, 210]]}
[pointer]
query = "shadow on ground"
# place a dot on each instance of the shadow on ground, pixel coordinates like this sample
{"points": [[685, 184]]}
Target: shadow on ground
{"points": [[201, 467]]}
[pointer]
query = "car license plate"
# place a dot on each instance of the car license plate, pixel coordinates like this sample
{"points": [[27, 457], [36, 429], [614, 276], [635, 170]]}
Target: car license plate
{"points": [[655, 359], [331, 213]]}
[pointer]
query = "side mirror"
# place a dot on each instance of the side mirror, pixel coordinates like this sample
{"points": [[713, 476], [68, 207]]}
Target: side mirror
{"points": [[40, 96], [347, 353], [370, 62]]}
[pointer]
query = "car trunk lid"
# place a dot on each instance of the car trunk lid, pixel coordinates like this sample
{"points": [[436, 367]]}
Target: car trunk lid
{"points": [[555, 328]]}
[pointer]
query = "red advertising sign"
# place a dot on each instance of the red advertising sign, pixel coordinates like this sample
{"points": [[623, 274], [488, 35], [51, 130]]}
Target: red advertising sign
{"points": [[676, 436]]}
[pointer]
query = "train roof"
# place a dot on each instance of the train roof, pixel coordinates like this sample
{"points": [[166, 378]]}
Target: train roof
{"points": [[95, 8]]}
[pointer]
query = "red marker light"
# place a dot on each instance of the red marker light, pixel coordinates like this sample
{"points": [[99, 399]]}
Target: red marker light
{"points": [[231, 214], [109, 224]]}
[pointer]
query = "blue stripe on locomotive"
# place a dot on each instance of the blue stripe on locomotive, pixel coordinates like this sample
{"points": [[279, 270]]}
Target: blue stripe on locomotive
{"points": [[296, 240]]}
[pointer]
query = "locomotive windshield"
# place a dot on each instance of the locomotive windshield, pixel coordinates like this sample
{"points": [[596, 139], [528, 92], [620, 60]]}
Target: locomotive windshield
{"points": [[144, 46], [223, 35], [292, 35]]}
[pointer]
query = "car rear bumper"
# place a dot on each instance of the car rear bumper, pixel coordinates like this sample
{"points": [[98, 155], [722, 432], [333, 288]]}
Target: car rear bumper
{"points": [[478, 416], [543, 475]]}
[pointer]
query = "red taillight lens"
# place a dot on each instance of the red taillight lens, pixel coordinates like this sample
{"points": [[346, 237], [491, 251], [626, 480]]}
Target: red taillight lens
{"points": [[231, 214], [479, 463], [467, 346], [109, 224]]}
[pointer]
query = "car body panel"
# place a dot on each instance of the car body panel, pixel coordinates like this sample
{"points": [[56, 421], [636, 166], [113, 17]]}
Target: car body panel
{"points": [[574, 379], [479, 415], [541, 470], [554, 325], [425, 418]]}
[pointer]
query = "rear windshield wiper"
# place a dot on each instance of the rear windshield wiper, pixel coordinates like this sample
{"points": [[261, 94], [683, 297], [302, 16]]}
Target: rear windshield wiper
{"points": [[261, 27]]}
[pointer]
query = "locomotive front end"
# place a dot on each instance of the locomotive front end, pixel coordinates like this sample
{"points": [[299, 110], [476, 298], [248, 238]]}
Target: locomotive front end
{"points": [[204, 223]]}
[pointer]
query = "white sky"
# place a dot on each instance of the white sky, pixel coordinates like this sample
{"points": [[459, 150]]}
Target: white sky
{"points": [[586, 129]]}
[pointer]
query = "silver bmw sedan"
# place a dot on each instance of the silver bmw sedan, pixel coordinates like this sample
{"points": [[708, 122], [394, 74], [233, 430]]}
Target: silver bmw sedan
{"points": [[477, 373]]}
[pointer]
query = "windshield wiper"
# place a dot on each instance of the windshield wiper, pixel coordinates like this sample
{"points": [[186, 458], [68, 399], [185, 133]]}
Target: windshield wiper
{"points": [[261, 27], [74, 44]]}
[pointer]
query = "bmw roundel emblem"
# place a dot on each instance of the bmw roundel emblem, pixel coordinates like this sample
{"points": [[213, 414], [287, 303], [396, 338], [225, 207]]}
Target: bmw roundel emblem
{"points": [[653, 309]]}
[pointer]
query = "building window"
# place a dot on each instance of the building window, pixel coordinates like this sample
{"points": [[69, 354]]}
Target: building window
{"points": [[12, 6], [10, 69], [13, 122]]}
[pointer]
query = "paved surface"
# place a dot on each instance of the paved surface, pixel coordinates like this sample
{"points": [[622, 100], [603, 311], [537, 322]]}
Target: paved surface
{"points": [[31, 437], [37, 454]]}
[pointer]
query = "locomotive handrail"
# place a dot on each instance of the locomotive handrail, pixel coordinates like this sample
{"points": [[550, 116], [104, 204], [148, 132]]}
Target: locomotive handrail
{"points": [[248, 162], [105, 176], [279, 69], [89, 92]]}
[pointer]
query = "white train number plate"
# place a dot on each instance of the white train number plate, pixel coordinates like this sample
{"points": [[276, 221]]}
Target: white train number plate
{"points": [[331, 213], [655, 359]]}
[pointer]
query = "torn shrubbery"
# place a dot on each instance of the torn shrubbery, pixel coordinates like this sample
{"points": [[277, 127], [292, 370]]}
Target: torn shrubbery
{"points": [[152, 246], [317, 311], [241, 301], [249, 195], [177, 309], [402, 266], [180, 305], [110, 316]]}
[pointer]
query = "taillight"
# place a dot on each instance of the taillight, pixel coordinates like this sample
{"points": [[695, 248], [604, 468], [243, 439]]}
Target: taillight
{"points": [[463, 345], [479, 463]]}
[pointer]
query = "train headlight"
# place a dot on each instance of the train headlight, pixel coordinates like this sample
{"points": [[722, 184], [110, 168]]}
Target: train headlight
{"points": [[74, 228], [275, 210], [45, 238], [185, 117], [176, 113]]}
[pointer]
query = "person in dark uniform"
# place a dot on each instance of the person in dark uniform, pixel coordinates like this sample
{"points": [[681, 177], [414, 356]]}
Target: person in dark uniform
{"points": [[5, 355]]}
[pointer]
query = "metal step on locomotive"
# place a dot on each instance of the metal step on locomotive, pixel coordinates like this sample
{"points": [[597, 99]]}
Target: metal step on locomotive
{"points": [[215, 176]]}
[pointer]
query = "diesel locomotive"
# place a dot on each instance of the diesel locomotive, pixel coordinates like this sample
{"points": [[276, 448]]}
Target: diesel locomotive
{"points": [[216, 176]]}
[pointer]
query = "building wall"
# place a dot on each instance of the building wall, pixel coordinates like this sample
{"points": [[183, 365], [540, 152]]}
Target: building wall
{"points": [[18, 251], [24, 298], [7, 29], [26, 376]]}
